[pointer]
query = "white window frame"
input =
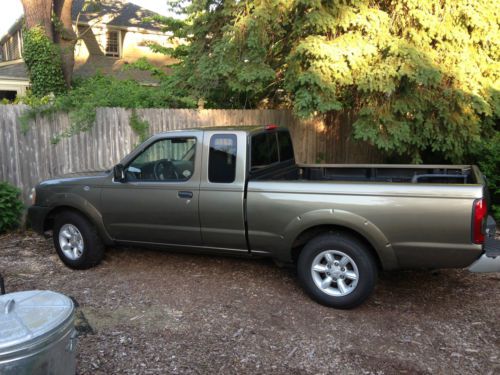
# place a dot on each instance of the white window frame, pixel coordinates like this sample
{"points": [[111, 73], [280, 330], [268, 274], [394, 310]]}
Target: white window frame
{"points": [[119, 43]]}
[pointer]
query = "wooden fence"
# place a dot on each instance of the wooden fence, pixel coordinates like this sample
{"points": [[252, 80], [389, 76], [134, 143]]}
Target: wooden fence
{"points": [[26, 159]]}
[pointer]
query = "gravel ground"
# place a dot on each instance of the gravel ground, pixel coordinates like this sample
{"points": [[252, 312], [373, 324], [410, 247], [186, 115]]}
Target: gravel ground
{"points": [[155, 312]]}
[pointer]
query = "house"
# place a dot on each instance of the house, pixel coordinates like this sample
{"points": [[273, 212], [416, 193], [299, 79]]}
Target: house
{"points": [[111, 35], [13, 77]]}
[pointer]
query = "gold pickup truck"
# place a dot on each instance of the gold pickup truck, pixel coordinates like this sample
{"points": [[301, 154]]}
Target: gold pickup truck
{"points": [[240, 191]]}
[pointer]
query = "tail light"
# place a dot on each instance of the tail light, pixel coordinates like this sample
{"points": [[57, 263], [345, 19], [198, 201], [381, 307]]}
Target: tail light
{"points": [[271, 127], [479, 220]]}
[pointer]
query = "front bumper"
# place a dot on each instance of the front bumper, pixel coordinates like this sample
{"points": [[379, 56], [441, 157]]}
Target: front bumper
{"points": [[490, 260], [36, 217]]}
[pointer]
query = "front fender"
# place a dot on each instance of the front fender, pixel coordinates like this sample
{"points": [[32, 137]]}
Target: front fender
{"points": [[79, 203], [347, 220]]}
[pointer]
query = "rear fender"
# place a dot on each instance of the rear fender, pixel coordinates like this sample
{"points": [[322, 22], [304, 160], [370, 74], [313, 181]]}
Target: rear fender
{"points": [[346, 219]]}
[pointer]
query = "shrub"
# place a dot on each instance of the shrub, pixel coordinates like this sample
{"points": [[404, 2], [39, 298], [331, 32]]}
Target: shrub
{"points": [[487, 157], [88, 94], [11, 206]]}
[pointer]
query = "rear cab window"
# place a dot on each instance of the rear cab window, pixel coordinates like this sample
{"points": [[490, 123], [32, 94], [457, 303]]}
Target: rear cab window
{"points": [[270, 148], [285, 146], [264, 150]]}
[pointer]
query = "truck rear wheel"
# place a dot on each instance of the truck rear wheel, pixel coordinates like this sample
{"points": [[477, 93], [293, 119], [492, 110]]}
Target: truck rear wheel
{"points": [[76, 241], [337, 270]]}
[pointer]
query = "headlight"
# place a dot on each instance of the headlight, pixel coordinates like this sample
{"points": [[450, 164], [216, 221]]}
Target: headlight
{"points": [[33, 196]]}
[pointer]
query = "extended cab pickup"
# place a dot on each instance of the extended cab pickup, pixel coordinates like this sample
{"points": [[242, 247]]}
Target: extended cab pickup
{"points": [[240, 191]]}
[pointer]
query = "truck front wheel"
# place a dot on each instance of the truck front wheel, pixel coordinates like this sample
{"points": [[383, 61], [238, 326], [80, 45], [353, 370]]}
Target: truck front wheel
{"points": [[76, 241], [337, 270]]}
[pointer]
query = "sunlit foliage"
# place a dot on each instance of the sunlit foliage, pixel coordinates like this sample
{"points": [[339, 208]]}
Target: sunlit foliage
{"points": [[422, 75]]}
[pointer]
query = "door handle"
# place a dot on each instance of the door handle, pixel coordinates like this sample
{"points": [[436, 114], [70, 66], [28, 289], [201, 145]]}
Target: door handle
{"points": [[185, 194]]}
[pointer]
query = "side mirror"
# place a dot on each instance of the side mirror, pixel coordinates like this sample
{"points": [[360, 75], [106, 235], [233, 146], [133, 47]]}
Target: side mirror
{"points": [[119, 173]]}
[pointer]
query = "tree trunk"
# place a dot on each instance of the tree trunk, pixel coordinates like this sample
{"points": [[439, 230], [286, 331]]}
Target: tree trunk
{"points": [[65, 37], [38, 13]]}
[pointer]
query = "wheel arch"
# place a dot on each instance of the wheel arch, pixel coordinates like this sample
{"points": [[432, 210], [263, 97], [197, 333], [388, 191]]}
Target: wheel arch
{"points": [[305, 236], [309, 225], [48, 222]]}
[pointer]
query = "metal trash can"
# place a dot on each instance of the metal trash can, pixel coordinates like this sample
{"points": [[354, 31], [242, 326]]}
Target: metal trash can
{"points": [[37, 334]]}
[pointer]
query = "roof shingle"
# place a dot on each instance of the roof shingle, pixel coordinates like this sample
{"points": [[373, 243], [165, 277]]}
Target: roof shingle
{"points": [[121, 14], [16, 70]]}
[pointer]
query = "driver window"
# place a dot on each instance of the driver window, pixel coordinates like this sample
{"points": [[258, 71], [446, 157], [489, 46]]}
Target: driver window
{"points": [[170, 159]]}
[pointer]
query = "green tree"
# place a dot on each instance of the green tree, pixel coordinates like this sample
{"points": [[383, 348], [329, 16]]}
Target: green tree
{"points": [[49, 43], [421, 75]]}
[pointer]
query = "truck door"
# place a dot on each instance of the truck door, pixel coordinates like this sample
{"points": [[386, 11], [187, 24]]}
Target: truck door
{"points": [[222, 190], [158, 201]]}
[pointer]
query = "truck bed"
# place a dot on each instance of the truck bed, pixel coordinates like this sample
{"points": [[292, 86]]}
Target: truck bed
{"points": [[403, 173], [418, 216]]}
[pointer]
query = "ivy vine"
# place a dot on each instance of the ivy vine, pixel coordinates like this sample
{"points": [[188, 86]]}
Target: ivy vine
{"points": [[139, 126], [43, 60]]}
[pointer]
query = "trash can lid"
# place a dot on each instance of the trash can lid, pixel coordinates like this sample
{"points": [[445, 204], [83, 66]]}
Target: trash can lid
{"points": [[27, 316]]}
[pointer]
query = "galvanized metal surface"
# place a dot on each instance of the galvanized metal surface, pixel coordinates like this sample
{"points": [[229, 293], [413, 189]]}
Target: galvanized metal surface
{"points": [[486, 264], [37, 334], [27, 159]]}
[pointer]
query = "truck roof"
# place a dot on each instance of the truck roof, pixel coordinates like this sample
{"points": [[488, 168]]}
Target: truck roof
{"points": [[250, 129]]}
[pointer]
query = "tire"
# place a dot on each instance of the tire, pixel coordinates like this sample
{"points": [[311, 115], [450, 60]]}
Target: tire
{"points": [[76, 241], [343, 279]]}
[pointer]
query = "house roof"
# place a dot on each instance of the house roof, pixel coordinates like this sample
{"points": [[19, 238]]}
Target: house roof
{"points": [[15, 70], [117, 13], [115, 68]]}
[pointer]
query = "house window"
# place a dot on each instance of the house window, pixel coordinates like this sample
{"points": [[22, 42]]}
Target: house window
{"points": [[113, 43], [11, 45], [11, 49]]}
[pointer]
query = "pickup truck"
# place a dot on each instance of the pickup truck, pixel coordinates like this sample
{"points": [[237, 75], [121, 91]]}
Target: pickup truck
{"points": [[239, 190]]}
